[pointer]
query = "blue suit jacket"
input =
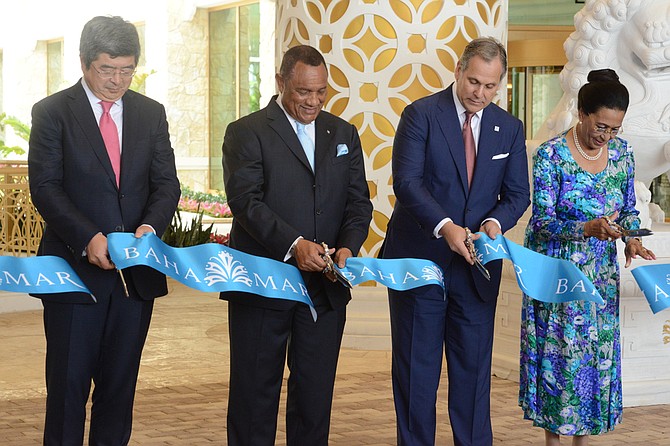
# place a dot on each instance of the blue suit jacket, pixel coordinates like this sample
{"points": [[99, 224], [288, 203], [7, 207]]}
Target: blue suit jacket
{"points": [[430, 181]]}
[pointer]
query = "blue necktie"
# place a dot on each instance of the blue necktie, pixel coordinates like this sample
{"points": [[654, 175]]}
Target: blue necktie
{"points": [[307, 143]]}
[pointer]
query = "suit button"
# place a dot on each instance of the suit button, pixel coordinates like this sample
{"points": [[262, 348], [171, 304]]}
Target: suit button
{"points": [[118, 229], [122, 196], [318, 212]]}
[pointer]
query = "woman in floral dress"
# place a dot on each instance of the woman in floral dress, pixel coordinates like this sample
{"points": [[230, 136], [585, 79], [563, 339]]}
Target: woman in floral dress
{"points": [[570, 353]]}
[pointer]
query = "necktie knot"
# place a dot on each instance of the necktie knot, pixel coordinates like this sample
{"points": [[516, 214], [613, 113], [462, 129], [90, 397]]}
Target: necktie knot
{"points": [[468, 117], [106, 106]]}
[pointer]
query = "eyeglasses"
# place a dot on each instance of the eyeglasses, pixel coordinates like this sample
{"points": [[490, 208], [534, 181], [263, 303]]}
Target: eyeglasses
{"points": [[108, 73], [602, 130]]}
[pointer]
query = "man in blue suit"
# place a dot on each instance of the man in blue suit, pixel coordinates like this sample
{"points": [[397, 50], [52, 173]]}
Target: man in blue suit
{"points": [[436, 202]]}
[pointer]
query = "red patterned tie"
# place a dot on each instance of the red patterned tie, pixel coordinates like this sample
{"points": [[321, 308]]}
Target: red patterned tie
{"points": [[110, 135], [469, 141]]}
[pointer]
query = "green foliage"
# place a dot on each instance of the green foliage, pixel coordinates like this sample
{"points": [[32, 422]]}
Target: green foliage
{"points": [[182, 234], [140, 79], [20, 129]]}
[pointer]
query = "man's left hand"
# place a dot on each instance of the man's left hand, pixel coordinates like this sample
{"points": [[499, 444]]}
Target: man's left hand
{"points": [[491, 229], [341, 256], [143, 229]]}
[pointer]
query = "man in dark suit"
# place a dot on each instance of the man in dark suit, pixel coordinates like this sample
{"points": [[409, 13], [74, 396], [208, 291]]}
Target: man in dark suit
{"points": [[84, 190], [286, 200], [435, 204]]}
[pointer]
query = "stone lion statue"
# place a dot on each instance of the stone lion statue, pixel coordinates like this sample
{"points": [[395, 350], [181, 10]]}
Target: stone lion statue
{"points": [[633, 38]]}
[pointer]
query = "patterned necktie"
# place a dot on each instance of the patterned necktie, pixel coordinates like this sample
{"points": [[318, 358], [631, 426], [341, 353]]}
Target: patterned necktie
{"points": [[307, 143], [110, 135], [469, 141]]}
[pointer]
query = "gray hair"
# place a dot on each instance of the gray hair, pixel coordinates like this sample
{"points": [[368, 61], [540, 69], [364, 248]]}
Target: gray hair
{"points": [[111, 35], [488, 48]]}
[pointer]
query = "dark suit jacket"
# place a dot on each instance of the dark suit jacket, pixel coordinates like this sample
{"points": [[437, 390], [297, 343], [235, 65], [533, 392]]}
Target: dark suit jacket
{"points": [[275, 197], [430, 181], [72, 183]]}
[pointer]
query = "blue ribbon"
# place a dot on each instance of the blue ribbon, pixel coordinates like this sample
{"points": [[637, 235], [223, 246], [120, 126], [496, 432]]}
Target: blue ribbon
{"points": [[216, 268], [211, 267], [39, 275], [397, 274], [654, 281], [543, 278]]}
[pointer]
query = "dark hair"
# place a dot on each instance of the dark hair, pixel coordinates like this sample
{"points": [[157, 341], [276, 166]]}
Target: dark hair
{"points": [[111, 35], [301, 53], [603, 90], [488, 49]]}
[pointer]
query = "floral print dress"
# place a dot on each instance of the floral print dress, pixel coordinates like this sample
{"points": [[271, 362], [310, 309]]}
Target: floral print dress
{"points": [[570, 370]]}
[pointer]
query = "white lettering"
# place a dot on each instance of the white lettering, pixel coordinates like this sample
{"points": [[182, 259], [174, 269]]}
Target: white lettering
{"points": [[389, 277], [42, 278], [287, 284], [519, 279], [661, 293], [190, 274], [65, 277], [496, 248], [367, 270], [131, 253], [562, 286], [408, 276], [169, 264], [152, 254], [303, 289], [580, 285], [269, 281], [21, 278]]}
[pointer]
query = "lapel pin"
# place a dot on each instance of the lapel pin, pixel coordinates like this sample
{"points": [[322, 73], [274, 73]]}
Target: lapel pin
{"points": [[496, 128]]}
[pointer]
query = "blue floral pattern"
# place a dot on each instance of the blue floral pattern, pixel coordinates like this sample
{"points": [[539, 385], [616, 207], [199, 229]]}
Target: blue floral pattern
{"points": [[570, 380]]}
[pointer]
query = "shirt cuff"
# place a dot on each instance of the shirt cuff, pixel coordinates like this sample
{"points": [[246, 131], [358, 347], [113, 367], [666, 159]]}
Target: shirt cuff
{"points": [[436, 231], [289, 254], [150, 227], [494, 221]]}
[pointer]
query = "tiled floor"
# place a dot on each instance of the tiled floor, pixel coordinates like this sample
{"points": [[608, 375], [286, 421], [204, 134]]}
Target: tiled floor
{"points": [[183, 386]]}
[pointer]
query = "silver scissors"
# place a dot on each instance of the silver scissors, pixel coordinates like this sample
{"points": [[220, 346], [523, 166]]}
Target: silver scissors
{"points": [[627, 232], [332, 273], [469, 243]]}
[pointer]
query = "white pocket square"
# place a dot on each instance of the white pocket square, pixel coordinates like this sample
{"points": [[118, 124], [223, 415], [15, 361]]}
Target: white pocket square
{"points": [[342, 149], [500, 156]]}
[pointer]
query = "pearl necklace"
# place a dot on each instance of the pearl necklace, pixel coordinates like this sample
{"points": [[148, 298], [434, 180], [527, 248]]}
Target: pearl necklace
{"points": [[581, 151]]}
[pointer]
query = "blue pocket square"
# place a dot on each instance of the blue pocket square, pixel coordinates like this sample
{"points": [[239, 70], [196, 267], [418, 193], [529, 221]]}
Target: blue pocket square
{"points": [[342, 149]]}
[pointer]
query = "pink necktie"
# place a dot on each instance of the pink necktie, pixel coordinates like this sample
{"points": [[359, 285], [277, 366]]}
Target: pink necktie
{"points": [[110, 135], [469, 141]]}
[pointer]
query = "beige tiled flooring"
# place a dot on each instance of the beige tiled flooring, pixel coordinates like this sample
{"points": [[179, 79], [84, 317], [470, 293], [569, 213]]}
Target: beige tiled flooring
{"points": [[183, 387]]}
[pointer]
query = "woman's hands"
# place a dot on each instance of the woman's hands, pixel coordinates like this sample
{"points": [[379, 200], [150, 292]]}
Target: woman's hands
{"points": [[634, 248], [602, 228]]}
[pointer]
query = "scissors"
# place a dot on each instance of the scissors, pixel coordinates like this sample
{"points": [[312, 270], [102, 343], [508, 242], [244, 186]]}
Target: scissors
{"points": [[475, 255], [627, 232], [332, 273]]}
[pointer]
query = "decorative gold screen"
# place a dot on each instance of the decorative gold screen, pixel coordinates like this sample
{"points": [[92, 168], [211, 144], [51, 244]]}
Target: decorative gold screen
{"points": [[21, 224]]}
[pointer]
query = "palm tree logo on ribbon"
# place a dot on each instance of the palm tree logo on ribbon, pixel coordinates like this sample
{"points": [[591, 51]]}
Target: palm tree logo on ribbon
{"points": [[223, 268]]}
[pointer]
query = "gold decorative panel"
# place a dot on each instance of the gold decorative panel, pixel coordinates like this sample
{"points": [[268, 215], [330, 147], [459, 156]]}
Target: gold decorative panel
{"points": [[20, 225], [381, 56]]}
